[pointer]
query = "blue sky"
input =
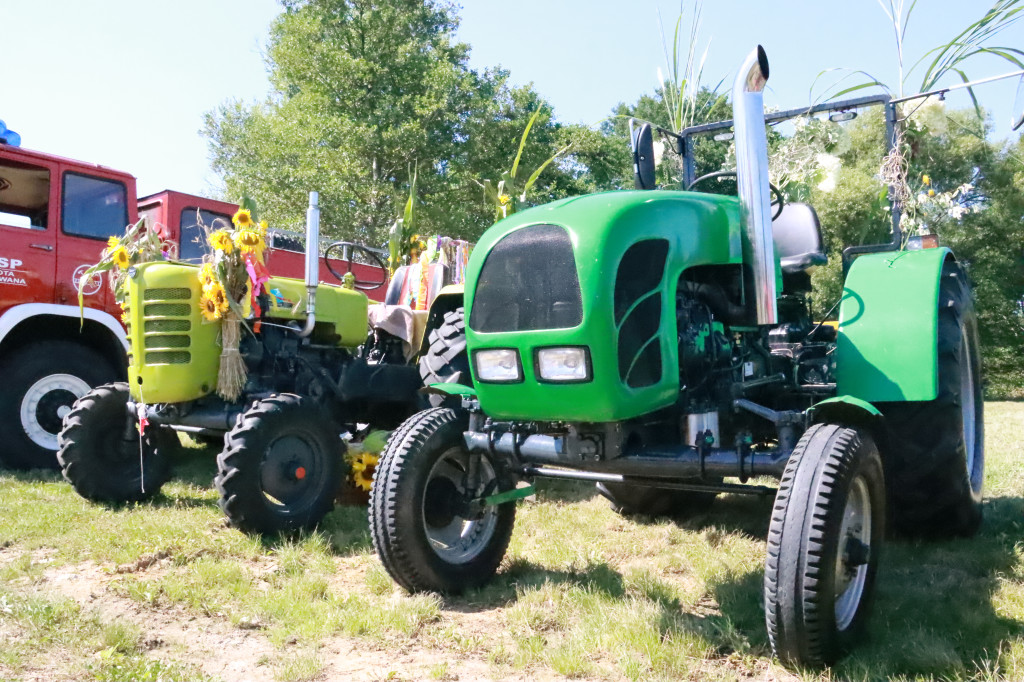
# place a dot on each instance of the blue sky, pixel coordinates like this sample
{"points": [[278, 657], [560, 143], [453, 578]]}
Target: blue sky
{"points": [[125, 83]]}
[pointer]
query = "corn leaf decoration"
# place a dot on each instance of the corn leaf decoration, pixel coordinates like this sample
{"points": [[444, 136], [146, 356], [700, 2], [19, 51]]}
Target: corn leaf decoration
{"points": [[403, 237], [940, 61], [140, 243], [507, 195]]}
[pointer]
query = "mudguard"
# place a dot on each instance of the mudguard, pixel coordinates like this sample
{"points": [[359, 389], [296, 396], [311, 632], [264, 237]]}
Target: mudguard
{"points": [[888, 327]]}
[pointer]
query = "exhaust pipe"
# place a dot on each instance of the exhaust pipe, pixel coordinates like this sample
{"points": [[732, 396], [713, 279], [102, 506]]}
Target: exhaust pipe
{"points": [[312, 261], [752, 179]]}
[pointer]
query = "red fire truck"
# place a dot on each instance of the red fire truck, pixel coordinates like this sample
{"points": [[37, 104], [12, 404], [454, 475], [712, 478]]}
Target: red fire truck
{"points": [[56, 215]]}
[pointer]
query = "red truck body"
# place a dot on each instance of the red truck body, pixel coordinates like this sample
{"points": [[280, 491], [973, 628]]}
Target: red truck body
{"points": [[56, 215]]}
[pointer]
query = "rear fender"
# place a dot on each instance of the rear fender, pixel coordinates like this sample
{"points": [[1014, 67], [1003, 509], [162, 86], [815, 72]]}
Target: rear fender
{"points": [[888, 327]]}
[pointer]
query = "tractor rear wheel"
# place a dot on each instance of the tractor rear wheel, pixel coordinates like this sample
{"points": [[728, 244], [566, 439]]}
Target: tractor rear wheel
{"points": [[937, 462], [42, 381], [627, 499], [446, 360], [426, 526], [100, 449], [281, 468], [826, 531]]}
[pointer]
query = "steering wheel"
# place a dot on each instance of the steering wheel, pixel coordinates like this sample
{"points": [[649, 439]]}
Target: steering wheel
{"points": [[361, 284], [778, 200]]}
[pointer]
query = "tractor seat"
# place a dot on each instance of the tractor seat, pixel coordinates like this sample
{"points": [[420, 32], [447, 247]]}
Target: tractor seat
{"points": [[797, 233], [403, 290]]}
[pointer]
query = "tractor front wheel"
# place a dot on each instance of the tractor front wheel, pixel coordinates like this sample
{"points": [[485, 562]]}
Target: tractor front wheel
{"points": [[826, 531], [281, 468], [102, 454], [429, 526]]}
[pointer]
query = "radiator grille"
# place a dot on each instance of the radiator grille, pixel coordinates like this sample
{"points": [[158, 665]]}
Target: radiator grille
{"points": [[167, 333], [168, 358], [167, 294]]}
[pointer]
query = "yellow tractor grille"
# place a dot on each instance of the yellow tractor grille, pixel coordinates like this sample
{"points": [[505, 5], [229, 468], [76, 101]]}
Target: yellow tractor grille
{"points": [[167, 294], [169, 358], [164, 326], [169, 332], [166, 310]]}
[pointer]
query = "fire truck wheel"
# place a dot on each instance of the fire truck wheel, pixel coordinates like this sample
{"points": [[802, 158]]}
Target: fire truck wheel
{"points": [[102, 454], [42, 381], [282, 466]]}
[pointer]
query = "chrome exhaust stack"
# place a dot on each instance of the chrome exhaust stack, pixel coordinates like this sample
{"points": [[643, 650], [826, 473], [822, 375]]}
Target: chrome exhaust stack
{"points": [[752, 179], [312, 261]]}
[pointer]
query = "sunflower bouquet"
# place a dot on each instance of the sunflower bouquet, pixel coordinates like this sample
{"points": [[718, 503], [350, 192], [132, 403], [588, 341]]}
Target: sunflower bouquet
{"points": [[232, 276], [138, 244]]}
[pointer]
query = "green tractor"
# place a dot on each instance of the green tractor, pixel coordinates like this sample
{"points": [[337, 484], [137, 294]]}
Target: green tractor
{"points": [[315, 368], [659, 345]]}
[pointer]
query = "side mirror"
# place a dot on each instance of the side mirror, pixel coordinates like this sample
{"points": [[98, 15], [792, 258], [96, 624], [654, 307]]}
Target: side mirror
{"points": [[643, 155], [1018, 105]]}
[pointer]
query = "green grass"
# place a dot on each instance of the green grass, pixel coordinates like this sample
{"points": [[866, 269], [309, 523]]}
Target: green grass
{"points": [[582, 594]]}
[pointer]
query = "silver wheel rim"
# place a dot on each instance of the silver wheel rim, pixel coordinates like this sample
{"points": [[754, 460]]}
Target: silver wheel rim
{"points": [[460, 540], [855, 531], [36, 393], [968, 408]]}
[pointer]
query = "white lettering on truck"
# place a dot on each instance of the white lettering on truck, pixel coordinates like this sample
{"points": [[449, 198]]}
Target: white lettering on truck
{"points": [[9, 273]]}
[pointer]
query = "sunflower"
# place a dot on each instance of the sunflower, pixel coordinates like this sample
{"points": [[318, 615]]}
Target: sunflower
{"points": [[221, 240], [113, 243], [209, 308], [219, 296], [363, 466], [250, 241], [120, 257], [243, 219], [207, 275], [263, 228], [214, 301]]}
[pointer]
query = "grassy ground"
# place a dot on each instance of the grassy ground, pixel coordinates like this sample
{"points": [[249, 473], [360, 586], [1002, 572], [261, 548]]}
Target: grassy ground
{"points": [[165, 591]]}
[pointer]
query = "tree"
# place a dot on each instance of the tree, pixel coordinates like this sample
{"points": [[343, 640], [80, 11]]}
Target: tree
{"points": [[363, 92]]}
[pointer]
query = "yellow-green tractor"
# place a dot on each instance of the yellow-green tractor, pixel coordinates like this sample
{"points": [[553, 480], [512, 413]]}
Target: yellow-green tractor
{"points": [[319, 361]]}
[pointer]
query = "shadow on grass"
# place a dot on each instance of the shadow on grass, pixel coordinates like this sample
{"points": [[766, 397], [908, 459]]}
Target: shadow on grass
{"points": [[934, 612], [520, 575]]}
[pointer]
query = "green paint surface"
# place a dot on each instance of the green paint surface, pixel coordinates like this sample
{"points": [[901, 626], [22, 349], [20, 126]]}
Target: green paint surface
{"points": [[175, 353], [701, 229], [888, 326]]}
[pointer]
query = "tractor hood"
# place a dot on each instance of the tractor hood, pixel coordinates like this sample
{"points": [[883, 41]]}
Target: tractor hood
{"points": [[597, 274]]}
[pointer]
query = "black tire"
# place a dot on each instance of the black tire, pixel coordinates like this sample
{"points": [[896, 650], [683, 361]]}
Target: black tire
{"points": [[936, 453], [41, 383], [446, 360], [282, 466], [414, 507], [833, 479], [100, 444], [629, 499]]}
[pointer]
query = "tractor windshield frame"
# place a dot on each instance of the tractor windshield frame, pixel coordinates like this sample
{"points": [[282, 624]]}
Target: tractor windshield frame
{"points": [[684, 143]]}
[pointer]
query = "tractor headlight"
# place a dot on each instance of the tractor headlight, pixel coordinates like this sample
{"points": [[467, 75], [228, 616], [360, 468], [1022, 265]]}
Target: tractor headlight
{"points": [[563, 364], [499, 365]]}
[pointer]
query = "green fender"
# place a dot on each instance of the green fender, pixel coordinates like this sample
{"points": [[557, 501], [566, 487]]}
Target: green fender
{"points": [[451, 389], [850, 411], [888, 327]]}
